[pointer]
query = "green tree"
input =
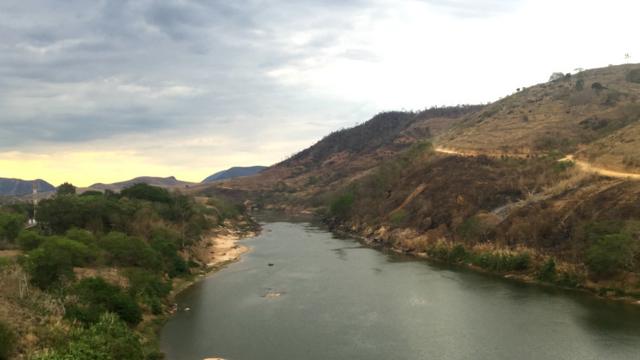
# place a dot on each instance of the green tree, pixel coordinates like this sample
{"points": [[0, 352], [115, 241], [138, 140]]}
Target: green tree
{"points": [[7, 341], [143, 191], [10, 225], [611, 253], [341, 206], [66, 189], [29, 240], [47, 268], [108, 339], [94, 296], [129, 251]]}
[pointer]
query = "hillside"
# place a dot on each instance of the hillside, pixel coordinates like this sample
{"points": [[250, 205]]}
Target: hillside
{"points": [[168, 182], [557, 116], [234, 172], [492, 186], [18, 187], [348, 154]]}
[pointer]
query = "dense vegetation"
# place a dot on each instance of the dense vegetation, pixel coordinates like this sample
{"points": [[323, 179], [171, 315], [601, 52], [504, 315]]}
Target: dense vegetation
{"points": [[140, 233]]}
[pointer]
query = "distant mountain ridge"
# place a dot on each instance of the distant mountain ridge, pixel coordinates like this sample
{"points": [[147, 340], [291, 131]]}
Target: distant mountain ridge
{"points": [[234, 172], [166, 182], [19, 187]]}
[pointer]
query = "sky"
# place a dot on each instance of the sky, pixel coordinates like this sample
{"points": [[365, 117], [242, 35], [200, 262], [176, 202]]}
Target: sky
{"points": [[104, 91]]}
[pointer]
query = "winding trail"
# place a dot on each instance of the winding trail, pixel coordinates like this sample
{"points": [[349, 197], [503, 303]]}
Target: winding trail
{"points": [[582, 165]]}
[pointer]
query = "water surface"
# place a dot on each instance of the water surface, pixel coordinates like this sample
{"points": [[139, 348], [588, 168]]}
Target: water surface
{"points": [[340, 300]]}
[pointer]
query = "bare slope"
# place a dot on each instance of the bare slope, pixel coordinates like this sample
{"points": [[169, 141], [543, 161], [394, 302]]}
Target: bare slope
{"points": [[558, 116]]}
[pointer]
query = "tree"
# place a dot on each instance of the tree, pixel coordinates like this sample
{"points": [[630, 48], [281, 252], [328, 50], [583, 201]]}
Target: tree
{"points": [[611, 253], [556, 76], [94, 296], [143, 191], [7, 341], [66, 189], [108, 339], [10, 225], [48, 267]]}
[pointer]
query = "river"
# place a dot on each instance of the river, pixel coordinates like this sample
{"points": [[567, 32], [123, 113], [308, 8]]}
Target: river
{"points": [[328, 298]]}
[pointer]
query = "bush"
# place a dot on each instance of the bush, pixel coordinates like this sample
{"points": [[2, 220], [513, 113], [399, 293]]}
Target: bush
{"points": [[147, 192], [7, 341], [29, 240], [547, 271], [48, 267], [341, 206], [501, 262], [165, 243], [610, 254], [108, 339], [633, 76], [10, 225], [79, 254], [94, 297], [83, 236], [398, 217], [129, 251], [148, 287]]}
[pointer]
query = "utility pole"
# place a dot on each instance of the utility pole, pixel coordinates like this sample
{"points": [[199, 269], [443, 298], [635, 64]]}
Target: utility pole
{"points": [[627, 57], [34, 192]]}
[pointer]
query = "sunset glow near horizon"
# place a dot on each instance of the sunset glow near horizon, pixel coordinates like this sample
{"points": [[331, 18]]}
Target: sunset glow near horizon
{"points": [[107, 91]]}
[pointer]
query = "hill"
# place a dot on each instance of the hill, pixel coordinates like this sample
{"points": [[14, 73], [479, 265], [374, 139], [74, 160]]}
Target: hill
{"points": [[499, 190], [167, 182], [18, 187], [558, 116], [347, 154], [234, 172]]}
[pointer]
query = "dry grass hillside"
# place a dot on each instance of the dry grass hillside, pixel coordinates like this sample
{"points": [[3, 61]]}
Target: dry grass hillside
{"points": [[472, 204], [348, 154], [557, 116], [618, 151]]}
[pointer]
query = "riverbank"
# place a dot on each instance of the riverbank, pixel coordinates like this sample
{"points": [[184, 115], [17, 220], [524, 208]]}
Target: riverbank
{"points": [[220, 248], [532, 265]]}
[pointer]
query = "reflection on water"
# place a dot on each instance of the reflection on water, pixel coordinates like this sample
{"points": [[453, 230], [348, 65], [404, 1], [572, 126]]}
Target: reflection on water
{"points": [[331, 298]]}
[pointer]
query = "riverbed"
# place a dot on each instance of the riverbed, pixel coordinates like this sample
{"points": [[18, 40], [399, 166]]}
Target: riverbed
{"points": [[302, 293]]}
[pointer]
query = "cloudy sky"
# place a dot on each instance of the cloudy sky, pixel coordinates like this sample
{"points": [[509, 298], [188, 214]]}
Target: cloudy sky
{"points": [[102, 91]]}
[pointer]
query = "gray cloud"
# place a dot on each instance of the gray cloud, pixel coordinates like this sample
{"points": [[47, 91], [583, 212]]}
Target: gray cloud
{"points": [[77, 71]]}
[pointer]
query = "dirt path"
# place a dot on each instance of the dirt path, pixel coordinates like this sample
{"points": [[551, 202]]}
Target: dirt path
{"points": [[582, 165], [587, 167]]}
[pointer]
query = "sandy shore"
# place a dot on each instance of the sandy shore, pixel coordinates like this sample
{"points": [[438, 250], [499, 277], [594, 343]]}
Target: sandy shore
{"points": [[221, 247]]}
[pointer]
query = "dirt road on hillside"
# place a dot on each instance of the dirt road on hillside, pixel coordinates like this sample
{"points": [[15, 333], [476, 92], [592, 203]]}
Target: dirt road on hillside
{"points": [[582, 165]]}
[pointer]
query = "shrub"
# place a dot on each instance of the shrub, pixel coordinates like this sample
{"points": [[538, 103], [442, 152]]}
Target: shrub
{"points": [[502, 261], [547, 271], [108, 339], [29, 240], [398, 217], [10, 225], [597, 86], [94, 297], [165, 243], [610, 254], [66, 189], [47, 267], [7, 341], [129, 251], [79, 254], [633, 76], [83, 236], [341, 206], [148, 287], [580, 84], [147, 192]]}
